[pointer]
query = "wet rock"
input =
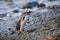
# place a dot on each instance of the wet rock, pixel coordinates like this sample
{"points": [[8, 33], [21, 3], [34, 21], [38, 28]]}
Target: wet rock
{"points": [[52, 0], [3, 15], [12, 32], [30, 5], [0, 34], [41, 5], [16, 11], [9, 28]]}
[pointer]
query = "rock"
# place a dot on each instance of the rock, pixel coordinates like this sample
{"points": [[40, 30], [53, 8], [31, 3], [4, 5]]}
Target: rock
{"points": [[30, 5], [3, 15], [16, 11], [41, 5], [0, 34], [12, 32], [9, 28], [52, 0]]}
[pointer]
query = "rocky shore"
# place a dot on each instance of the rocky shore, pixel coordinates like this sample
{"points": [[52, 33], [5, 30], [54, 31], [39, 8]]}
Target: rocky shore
{"points": [[42, 24]]}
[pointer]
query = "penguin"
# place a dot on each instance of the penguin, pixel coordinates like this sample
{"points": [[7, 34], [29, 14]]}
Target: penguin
{"points": [[21, 21]]}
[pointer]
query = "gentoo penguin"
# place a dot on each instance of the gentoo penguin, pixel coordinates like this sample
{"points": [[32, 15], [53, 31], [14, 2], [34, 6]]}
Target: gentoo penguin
{"points": [[21, 21]]}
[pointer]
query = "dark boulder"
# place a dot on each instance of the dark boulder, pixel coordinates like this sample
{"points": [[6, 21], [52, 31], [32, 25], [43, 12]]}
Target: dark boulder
{"points": [[16, 11], [3, 15], [12, 32], [41, 5], [51, 0], [30, 5], [9, 28]]}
